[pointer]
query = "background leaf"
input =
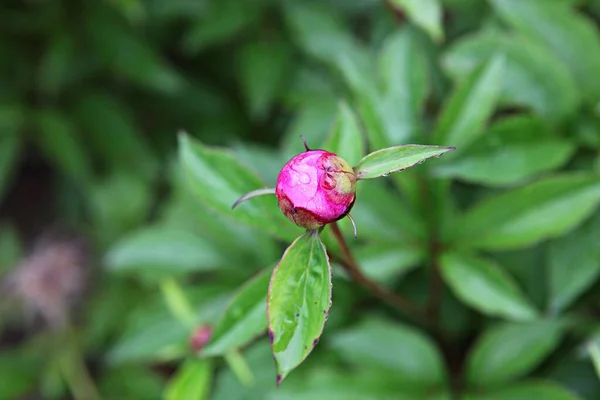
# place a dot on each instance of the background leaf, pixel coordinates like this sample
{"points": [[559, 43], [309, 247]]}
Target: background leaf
{"points": [[60, 144], [573, 264], [528, 390], [510, 152], [383, 346], [570, 36], [511, 350], [425, 13], [541, 210], [244, 319], [191, 381], [486, 287], [405, 86], [346, 138], [264, 68], [533, 77], [298, 302], [471, 105]]}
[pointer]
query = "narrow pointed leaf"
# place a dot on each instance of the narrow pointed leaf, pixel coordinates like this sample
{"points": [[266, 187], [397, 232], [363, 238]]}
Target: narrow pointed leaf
{"points": [[425, 13], [346, 139], [527, 215], [217, 179], [298, 302], [244, 319], [471, 105], [568, 34], [573, 264], [393, 159], [192, 381], [512, 151], [405, 87], [511, 350], [533, 76], [165, 250], [486, 287], [594, 351]]}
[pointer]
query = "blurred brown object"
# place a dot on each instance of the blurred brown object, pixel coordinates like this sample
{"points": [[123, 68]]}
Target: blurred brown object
{"points": [[50, 279]]}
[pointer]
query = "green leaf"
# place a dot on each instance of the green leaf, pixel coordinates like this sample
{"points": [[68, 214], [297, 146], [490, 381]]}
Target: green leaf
{"points": [[129, 53], [393, 159], [425, 13], [385, 263], [471, 104], [19, 372], [533, 77], [192, 381], [55, 64], [405, 87], [319, 31], [110, 132], [346, 138], [568, 34], [376, 223], [527, 390], [10, 249], [131, 382], [573, 264], [110, 214], [593, 348], [177, 302], [244, 319], [264, 68], [58, 141], [224, 21], [527, 215], [152, 333], [512, 151], [381, 345], [165, 250], [218, 180], [510, 350], [298, 302], [486, 287]]}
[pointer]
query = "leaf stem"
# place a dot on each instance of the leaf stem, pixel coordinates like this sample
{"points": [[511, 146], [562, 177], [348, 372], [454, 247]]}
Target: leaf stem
{"points": [[240, 367], [74, 369], [351, 266]]}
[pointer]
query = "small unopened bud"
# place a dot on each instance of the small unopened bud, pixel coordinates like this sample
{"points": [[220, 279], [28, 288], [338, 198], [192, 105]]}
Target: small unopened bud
{"points": [[316, 188], [200, 337]]}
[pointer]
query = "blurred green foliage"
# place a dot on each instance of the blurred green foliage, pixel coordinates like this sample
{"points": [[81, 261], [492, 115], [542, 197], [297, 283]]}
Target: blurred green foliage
{"points": [[94, 93]]}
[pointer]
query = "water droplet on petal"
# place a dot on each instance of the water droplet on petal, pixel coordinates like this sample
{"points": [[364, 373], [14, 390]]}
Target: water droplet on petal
{"points": [[304, 178]]}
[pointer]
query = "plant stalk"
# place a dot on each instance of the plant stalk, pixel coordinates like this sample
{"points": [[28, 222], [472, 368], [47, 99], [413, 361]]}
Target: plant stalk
{"points": [[351, 266]]}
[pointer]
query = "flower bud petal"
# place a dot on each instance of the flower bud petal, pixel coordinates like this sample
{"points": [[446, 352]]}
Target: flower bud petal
{"points": [[315, 188]]}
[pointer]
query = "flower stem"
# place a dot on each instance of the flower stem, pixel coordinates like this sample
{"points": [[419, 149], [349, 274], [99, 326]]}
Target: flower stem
{"points": [[351, 266]]}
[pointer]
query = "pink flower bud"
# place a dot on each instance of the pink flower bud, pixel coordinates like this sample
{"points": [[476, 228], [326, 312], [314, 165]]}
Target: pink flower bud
{"points": [[316, 188], [200, 337]]}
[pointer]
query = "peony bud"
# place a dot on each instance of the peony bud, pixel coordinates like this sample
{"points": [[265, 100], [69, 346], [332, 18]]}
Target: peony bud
{"points": [[316, 188], [200, 337]]}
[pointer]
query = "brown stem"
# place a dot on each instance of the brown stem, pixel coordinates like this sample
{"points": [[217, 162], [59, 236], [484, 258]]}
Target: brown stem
{"points": [[352, 268]]}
